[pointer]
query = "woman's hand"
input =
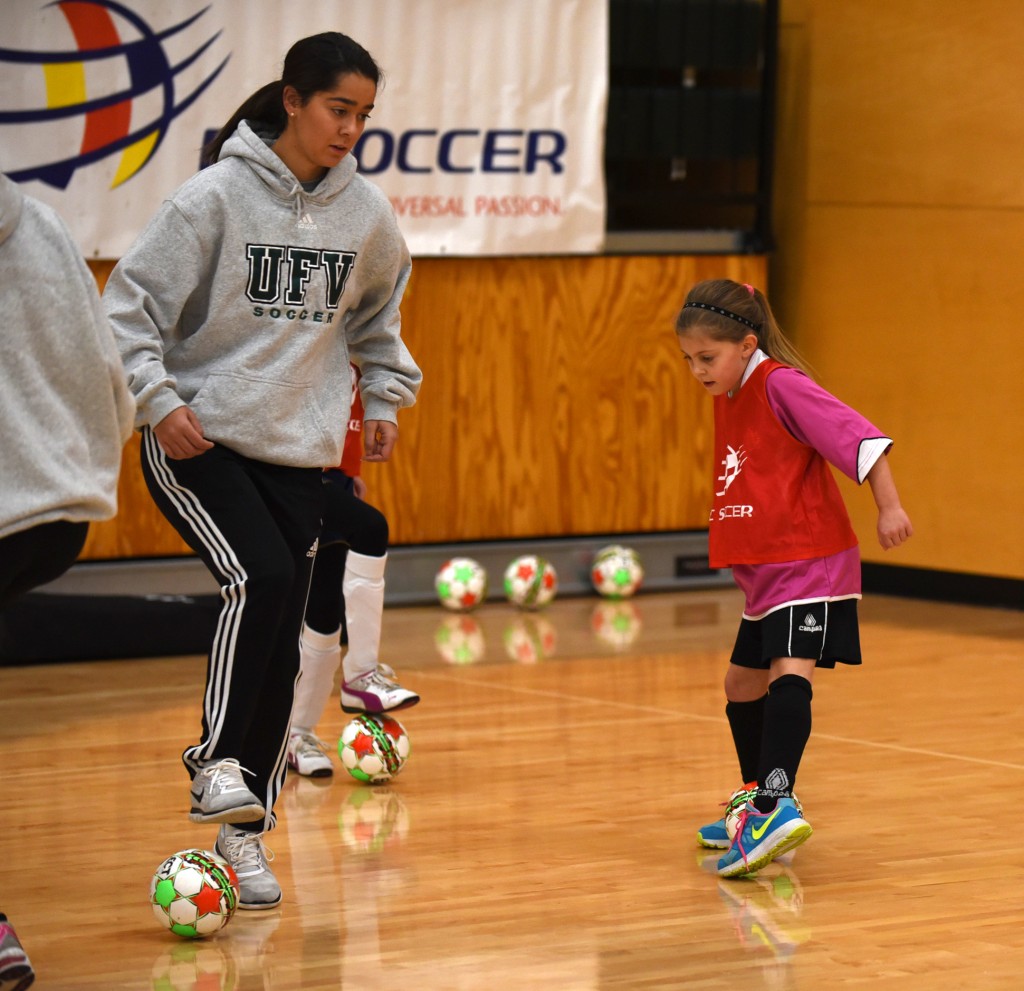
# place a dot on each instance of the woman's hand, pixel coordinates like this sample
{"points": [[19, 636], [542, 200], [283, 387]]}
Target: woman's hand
{"points": [[180, 434], [379, 439]]}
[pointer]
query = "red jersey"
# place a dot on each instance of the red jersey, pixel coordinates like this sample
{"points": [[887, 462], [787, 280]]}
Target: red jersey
{"points": [[776, 499], [352, 455]]}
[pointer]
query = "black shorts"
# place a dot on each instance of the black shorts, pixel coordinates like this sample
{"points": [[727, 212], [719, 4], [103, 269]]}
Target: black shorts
{"points": [[826, 632]]}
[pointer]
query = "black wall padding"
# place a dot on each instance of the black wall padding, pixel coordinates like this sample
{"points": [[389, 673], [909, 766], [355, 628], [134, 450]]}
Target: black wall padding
{"points": [[703, 34], [44, 627]]}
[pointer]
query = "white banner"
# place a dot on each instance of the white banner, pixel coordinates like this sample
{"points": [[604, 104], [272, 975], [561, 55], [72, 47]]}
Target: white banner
{"points": [[487, 136]]}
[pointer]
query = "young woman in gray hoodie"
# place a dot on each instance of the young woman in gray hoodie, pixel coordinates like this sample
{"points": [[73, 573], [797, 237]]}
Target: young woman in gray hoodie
{"points": [[65, 414], [237, 311], [65, 408]]}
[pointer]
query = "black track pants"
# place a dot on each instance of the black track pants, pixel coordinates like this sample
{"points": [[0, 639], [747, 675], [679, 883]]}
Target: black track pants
{"points": [[38, 555], [255, 526]]}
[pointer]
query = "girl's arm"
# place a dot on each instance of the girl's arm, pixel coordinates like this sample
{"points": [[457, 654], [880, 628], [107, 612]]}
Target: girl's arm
{"points": [[894, 525]]}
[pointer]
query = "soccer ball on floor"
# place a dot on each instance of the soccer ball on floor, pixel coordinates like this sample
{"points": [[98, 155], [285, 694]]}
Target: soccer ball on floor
{"points": [[616, 572], [734, 810], [530, 582], [373, 748], [194, 893], [461, 584]]}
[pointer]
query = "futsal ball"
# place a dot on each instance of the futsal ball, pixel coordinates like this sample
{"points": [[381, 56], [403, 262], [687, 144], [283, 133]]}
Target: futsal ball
{"points": [[194, 893], [734, 810], [460, 640], [616, 572], [530, 582], [373, 748], [461, 584]]}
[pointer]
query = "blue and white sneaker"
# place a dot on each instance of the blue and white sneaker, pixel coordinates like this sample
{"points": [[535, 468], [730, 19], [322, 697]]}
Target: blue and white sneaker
{"points": [[715, 836], [763, 836]]}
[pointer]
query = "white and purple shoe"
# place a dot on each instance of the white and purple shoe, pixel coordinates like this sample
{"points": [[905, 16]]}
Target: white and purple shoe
{"points": [[375, 692]]}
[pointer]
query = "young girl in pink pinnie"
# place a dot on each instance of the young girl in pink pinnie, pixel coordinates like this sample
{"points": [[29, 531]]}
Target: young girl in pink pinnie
{"points": [[778, 520]]}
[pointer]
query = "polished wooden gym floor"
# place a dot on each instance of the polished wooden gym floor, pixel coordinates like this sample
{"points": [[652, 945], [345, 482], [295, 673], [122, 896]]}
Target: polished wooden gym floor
{"points": [[541, 834]]}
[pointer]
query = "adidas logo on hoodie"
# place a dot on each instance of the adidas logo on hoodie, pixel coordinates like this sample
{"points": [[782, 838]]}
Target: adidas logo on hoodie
{"points": [[307, 223]]}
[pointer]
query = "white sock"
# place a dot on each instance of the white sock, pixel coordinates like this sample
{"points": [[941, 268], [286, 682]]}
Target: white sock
{"points": [[363, 587], [319, 657]]}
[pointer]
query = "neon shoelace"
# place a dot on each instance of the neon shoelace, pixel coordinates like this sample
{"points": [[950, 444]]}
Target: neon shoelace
{"points": [[741, 825]]}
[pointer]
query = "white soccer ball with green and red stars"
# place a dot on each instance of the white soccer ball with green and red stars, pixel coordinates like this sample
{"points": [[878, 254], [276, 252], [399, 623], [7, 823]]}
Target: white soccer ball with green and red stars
{"points": [[530, 582], [616, 572], [461, 584], [194, 893], [373, 748]]}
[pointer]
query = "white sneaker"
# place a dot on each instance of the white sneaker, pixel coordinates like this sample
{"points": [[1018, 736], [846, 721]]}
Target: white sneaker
{"points": [[219, 794], [244, 851], [374, 692], [307, 755]]}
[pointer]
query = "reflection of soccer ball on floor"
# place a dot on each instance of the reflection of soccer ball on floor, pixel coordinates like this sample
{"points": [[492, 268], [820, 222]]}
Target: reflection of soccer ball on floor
{"points": [[530, 639], [616, 572], [617, 624], [194, 964], [194, 893], [373, 748], [461, 584], [372, 819], [459, 640], [530, 582]]}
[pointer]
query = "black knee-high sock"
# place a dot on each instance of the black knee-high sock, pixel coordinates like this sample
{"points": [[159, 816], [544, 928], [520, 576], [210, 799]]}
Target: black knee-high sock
{"points": [[787, 727], [746, 720]]}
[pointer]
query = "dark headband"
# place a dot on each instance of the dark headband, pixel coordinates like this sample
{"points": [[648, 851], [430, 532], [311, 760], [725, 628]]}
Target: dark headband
{"points": [[756, 327]]}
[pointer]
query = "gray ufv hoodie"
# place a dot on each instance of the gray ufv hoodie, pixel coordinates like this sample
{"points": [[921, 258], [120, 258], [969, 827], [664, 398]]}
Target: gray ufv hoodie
{"points": [[65, 408], [245, 298]]}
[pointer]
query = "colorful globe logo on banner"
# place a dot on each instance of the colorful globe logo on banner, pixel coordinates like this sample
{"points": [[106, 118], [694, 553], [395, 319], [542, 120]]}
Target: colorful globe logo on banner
{"points": [[119, 88]]}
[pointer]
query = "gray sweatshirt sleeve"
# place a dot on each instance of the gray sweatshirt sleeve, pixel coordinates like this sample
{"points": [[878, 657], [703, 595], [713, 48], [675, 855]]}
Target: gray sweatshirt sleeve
{"points": [[144, 298], [390, 377]]}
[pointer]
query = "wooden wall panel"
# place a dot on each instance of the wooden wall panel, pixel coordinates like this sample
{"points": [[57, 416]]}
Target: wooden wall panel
{"points": [[555, 402], [917, 102], [945, 384], [898, 196]]}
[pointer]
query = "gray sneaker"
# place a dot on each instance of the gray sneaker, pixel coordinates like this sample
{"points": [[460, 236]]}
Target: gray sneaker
{"points": [[219, 794], [244, 851]]}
